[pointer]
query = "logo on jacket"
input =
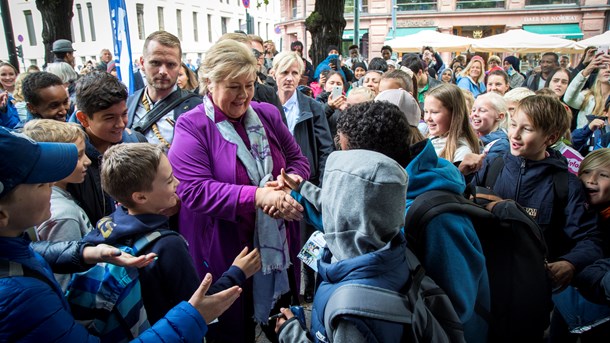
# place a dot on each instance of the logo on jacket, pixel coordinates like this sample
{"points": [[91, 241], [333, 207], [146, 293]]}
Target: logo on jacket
{"points": [[105, 226], [320, 337], [533, 212]]}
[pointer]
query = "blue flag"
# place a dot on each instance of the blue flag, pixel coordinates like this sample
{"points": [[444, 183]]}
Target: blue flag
{"points": [[122, 43]]}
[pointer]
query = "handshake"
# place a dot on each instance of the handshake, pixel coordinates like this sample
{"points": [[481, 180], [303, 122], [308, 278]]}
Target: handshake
{"points": [[275, 199]]}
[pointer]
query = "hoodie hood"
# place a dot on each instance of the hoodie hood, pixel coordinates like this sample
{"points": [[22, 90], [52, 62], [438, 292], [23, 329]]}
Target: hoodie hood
{"points": [[428, 172], [120, 226], [514, 61], [362, 202]]}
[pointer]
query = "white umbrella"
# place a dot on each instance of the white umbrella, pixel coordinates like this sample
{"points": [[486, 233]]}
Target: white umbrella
{"points": [[524, 42], [603, 39], [441, 42]]}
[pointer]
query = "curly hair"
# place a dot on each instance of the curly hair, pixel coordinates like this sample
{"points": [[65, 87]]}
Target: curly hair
{"points": [[33, 83], [378, 126], [98, 91]]}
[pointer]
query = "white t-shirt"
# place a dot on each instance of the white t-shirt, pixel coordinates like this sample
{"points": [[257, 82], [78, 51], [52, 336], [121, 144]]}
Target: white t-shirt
{"points": [[439, 144]]}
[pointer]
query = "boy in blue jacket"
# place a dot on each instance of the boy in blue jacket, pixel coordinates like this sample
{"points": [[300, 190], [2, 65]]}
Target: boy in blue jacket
{"points": [[140, 178], [32, 306]]}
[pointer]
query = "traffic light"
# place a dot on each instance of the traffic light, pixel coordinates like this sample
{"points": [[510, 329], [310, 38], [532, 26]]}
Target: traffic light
{"points": [[19, 51]]}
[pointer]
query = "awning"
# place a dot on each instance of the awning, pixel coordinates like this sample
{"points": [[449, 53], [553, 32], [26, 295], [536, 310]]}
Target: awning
{"points": [[566, 31], [406, 31], [349, 34]]}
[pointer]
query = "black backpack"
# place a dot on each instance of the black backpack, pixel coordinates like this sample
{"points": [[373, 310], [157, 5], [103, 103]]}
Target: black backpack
{"points": [[515, 256], [421, 306]]}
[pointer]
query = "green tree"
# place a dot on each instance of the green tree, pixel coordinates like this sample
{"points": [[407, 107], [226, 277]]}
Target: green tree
{"points": [[56, 22], [326, 24]]}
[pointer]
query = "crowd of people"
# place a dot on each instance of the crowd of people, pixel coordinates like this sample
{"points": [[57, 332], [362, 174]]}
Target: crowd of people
{"points": [[250, 152]]}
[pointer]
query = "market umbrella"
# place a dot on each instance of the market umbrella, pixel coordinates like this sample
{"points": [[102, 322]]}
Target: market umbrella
{"points": [[520, 41], [603, 39], [441, 42]]}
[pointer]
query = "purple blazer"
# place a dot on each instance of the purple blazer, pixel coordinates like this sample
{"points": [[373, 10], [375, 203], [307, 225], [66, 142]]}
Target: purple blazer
{"points": [[218, 212]]}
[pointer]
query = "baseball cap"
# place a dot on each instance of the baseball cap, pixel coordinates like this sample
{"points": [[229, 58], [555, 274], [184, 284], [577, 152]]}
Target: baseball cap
{"points": [[62, 45], [404, 101], [25, 161]]}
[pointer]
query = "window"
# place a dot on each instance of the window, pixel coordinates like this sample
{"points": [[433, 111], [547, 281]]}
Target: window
{"points": [[140, 18], [223, 25], [478, 4], [179, 23], [364, 6], [259, 29], [415, 5], [29, 22], [267, 32], [79, 12], [550, 2], [83, 60], [91, 21], [195, 28], [160, 18], [34, 62], [293, 8], [210, 28]]}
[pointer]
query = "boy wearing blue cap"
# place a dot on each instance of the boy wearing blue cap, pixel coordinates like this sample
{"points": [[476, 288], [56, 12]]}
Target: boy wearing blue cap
{"points": [[32, 307]]}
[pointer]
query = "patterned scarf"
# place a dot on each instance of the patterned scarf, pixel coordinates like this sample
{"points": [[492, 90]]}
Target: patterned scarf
{"points": [[269, 234]]}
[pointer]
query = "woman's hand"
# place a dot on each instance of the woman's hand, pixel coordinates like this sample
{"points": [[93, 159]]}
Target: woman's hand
{"points": [[110, 254], [278, 204], [339, 103], [249, 263], [600, 61], [596, 124]]}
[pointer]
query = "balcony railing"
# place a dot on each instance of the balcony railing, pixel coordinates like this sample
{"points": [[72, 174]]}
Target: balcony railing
{"points": [[416, 5], [478, 4]]}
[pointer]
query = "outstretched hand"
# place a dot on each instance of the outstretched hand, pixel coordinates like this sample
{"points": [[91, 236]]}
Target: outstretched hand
{"points": [[212, 306], [249, 263], [110, 254]]}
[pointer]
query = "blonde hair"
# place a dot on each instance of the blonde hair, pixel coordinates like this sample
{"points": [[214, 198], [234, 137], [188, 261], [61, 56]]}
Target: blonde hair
{"points": [[518, 94], [494, 58], [285, 59], [452, 98], [18, 93], [466, 71], [366, 92], [469, 98], [49, 130], [596, 159], [596, 93], [547, 114], [227, 59], [498, 104], [130, 168]]}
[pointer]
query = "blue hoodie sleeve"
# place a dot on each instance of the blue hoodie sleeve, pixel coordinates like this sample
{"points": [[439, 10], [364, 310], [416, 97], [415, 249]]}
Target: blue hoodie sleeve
{"points": [[311, 215], [183, 323]]}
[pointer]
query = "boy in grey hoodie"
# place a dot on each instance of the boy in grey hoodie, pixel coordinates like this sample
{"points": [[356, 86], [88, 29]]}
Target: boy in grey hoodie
{"points": [[363, 211]]}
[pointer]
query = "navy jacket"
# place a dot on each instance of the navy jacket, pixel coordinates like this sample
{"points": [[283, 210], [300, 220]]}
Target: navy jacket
{"points": [[570, 229], [172, 278]]}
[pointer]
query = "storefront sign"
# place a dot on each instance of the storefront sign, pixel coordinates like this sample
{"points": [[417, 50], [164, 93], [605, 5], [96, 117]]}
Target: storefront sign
{"points": [[416, 23], [551, 19]]}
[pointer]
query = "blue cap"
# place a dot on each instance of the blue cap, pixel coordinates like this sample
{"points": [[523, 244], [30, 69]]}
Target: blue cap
{"points": [[25, 161]]}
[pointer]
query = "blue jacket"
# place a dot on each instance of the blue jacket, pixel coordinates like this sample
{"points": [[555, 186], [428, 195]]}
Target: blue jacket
{"points": [[9, 117], [172, 278], [594, 281], [500, 147], [32, 310], [385, 268], [581, 139], [454, 257], [467, 84], [571, 233]]}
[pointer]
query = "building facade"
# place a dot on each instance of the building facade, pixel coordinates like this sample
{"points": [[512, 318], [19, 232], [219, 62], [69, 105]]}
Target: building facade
{"points": [[572, 19], [198, 24]]}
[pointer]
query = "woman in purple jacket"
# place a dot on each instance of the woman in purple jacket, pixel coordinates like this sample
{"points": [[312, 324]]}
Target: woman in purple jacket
{"points": [[223, 153]]}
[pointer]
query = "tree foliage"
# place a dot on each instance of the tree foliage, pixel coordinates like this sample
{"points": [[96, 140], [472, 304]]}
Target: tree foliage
{"points": [[56, 22]]}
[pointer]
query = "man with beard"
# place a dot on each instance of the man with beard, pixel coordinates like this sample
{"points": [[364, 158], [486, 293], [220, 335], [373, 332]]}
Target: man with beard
{"points": [[548, 63], [153, 110]]}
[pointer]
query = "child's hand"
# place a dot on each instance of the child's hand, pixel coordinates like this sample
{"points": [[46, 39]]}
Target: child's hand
{"points": [[471, 163], [110, 254], [212, 306], [291, 181], [561, 273], [596, 124], [280, 321], [248, 263]]}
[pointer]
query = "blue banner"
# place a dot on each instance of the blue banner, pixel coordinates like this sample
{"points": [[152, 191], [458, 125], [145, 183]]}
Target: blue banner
{"points": [[122, 43]]}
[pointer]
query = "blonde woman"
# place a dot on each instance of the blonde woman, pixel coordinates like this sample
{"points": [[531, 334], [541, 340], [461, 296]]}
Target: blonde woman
{"points": [[591, 101], [472, 77]]}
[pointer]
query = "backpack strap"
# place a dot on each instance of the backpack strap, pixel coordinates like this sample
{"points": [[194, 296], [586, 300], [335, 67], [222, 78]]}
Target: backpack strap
{"points": [[560, 187], [149, 238], [153, 116], [492, 173], [12, 269]]}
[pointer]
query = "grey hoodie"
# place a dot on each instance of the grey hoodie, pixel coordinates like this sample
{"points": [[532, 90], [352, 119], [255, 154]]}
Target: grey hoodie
{"points": [[362, 201]]}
